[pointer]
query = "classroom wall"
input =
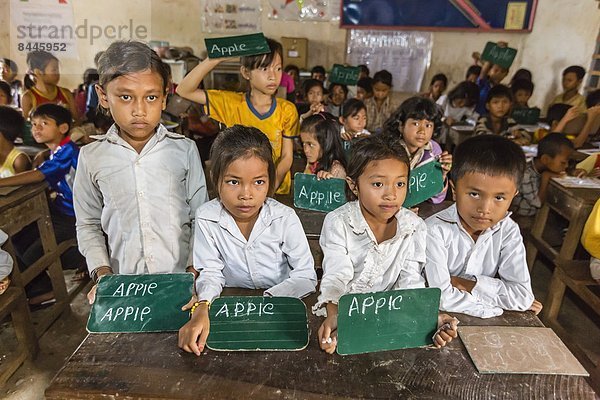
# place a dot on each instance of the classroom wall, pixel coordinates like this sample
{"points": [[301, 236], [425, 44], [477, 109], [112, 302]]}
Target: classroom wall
{"points": [[564, 33]]}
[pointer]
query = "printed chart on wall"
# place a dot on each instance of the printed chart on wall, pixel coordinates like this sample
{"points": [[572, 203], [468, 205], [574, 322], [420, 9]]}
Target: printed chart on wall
{"points": [[232, 16], [305, 10], [480, 15]]}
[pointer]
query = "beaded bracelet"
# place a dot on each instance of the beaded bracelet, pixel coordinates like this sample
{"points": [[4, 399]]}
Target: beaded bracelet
{"points": [[196, 304]]}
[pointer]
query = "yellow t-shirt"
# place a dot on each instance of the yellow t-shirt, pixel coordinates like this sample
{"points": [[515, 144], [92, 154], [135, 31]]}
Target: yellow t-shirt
{"points": [[281, 120], [8, 167], [578, 100], [590, 238]]}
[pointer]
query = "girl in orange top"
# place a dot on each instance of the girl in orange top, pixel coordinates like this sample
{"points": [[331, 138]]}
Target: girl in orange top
{"points": [[41, 82]]}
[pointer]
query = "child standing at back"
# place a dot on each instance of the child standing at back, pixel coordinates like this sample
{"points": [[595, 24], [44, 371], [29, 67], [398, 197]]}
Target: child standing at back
{"points": [[12, 160], [139, 184], [415, 121], [244, 238], [381, 105], [41, 82], [475, 252], [371, 243], [275, 117], [322, 145]]}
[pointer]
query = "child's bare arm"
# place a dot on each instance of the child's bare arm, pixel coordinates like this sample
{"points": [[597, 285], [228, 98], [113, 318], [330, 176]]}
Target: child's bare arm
{"points": [[593, 113], [328, 330], [192, 336], [188, 87], [285, 162], [24, 178], [22, 163], [447, 330]]}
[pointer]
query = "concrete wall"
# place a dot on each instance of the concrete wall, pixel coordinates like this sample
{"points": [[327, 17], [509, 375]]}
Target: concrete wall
{"points": [[564, 33]]}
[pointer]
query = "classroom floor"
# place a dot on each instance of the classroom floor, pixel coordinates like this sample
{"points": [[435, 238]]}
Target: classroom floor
{"points": [[64, 336]]}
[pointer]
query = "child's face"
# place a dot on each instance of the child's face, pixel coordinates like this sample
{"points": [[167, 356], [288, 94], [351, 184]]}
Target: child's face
{"points": [[459, 103], [311, 146], [497, 73], [355, 123], [3, 99], [437, 89], [498, 107], [244, 188], [338, 95], [381, 190], [51, 73], [266, 80], [472, 78], [570, 81], [416, 133], [45, 130], [482, 200], [135, 102], [361, 93], [381, 91], [7, 73], [522, 97], [315, 95], [559, 162], [318, 76]]}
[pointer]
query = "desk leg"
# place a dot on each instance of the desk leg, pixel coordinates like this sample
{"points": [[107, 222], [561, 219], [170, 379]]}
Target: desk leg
{"points": [[556, 293], [537, 230], [571, 240]]}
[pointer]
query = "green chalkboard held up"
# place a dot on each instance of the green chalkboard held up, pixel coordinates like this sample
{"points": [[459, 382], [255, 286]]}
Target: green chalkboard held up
{"points": [[237, 46], [392, 320], [257, 323], [425, 182], [315, 194], [344, 75], [502, 56], [140, 303]]}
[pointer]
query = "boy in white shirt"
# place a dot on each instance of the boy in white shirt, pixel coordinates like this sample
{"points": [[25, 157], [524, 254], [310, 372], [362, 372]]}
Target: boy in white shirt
{"points": [[475, 252]]}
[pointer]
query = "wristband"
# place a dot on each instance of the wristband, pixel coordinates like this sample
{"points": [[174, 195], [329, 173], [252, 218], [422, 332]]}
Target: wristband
{"points": [[197, 304]]}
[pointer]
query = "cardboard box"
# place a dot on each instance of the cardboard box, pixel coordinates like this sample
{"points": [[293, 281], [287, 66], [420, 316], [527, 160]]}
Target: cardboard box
{"points": [[295, 51]]}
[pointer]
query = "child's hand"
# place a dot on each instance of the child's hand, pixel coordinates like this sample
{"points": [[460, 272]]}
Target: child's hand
{"points": [[414, 209], [190, 303], [324, 175], [502, 44], [328, 330], [578, 172], [446, 161], [571, 114], [91, 296], [449, 121], [447, 330], [4, 283], [192, 336], [347, 136], [316, 108], [595, 173], [466, 285], [536, 307]]}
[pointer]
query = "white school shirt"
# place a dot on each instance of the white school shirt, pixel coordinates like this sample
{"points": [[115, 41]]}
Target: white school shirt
{"points": [[6, 261], [353, 261], [276, 256], [145, 203], [496, 261]]}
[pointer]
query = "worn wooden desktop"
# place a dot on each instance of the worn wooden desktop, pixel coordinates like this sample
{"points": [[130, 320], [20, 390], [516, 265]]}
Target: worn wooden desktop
{"points": [[151, 366]]}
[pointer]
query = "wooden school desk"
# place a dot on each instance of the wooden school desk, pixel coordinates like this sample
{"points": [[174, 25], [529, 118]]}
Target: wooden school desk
{"points": [[151, 366]]}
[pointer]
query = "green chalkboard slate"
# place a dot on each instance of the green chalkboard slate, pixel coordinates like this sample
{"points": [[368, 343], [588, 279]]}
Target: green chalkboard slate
{"points": [[236, 46], [140, 303], [425, 182], [319, 195], [526, 116], [344, 75], [503, 56], [256, 323], [380, 321]]}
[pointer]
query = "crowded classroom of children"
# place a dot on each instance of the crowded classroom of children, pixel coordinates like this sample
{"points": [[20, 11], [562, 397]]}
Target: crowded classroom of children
{"points": [[418, 180]]}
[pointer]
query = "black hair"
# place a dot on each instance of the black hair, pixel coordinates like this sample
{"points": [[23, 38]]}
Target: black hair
{"points": [[97, 58], [311, 83], [59, 114], [128, 57], [522, 84], [473, 70], [290, 67], [240, 142], [416, 107], [90, 75], [364, 69], [556, 112], [383, 76], [351, 107], [37, 59], [465, 90], [521, 73], [12, 123], [263, 60], [552, 144], [366, 84], [5, 87], [373, 148], [344, 88], [317, 69], [11, 64], [326, 130], [491, 155], [439, 77], [576, 69], [499, 91], [593, 98]]}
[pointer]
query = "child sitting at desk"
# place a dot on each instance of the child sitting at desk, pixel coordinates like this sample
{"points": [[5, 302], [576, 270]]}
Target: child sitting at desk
{"points": [[12, 160], [475, 252], [50, 125], [6, 264], [572, 77], [458, 105], [381, 105], [139, 184], [552, 160], [244, 238], [498, 120], [371, 243], [322, 145]]}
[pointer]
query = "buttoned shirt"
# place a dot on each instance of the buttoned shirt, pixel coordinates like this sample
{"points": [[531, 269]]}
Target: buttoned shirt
{"points": [[527, 202], [145, 202], [353, 261], [496, 261], [276, 256], [6, 261]]}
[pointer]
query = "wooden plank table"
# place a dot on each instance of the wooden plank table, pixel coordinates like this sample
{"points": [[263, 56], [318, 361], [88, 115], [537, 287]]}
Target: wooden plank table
{"points": [[151, 366]]}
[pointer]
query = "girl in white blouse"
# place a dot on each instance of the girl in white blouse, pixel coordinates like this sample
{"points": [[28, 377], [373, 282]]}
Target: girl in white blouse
{"points": [[372, 244], [244, 238]]}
